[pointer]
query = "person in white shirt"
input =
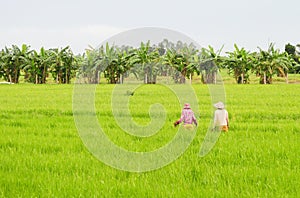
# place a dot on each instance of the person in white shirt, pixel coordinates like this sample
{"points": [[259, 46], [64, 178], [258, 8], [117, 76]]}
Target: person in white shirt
{"points": [[221, 117]]}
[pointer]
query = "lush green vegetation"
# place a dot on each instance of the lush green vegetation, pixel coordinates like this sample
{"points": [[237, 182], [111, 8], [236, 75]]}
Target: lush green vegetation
{"points": [[147, 63], [42, 154]]}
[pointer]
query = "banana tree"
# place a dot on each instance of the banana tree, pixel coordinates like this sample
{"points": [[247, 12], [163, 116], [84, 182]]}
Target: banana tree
{"points": [[57, 57], [88, 70], [109, 62], [210, 63], [13, 61], [2, 71], [63, 64], [116, 63], [173, 60], [298, 49], [38, 68], [183, 61], [122, 64], [6, 68], [127, 61], [31, 69], [239, 63], [192, 58], [272, 62], [297, 58], [146, 61], [154, 66], [181, 64], [70, 66]]}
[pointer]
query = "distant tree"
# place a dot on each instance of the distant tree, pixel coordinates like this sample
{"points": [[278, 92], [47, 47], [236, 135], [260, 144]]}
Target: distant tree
{"points": [[184, 60], [298, 50], [5, 64], [37, 69], [87, 70], [191, 54], [63, 66], [147, 58], [210, 63], [12, 62], [239, 63], [272, 62], [290, 49], [116, 62], [297, 59]]}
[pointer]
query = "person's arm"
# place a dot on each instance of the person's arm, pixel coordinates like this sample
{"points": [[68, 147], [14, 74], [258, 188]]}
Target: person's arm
{"points": [[227, 119], [215, 119], [195, 120], [215, 122], [180, 120]]}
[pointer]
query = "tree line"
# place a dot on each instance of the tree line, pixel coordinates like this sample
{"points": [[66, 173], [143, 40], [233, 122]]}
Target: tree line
{"points": [[36, 65], [179, 60]]}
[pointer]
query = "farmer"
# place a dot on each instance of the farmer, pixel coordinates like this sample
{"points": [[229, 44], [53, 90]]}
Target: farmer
{"points": [[187, 117], [221, 117]]}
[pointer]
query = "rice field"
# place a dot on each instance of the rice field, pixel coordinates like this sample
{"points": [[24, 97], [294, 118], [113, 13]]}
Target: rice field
{"points": [[42, 154]]}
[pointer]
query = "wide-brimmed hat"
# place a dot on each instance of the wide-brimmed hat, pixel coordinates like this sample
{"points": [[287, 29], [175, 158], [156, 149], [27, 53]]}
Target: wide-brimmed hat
{"points": [[219, 105], [187, 106]]}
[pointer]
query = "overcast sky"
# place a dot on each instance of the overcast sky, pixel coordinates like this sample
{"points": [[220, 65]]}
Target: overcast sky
{"points": [[58, 23]]}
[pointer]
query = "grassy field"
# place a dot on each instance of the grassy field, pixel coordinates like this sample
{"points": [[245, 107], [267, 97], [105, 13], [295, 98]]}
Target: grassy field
{"points": [[42, 155]]}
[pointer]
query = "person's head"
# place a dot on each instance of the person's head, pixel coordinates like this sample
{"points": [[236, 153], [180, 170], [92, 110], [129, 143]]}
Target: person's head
{"points": [[187, 106], [219, 105]]}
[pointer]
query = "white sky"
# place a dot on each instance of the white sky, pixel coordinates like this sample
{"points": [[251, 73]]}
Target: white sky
{"points": [[58, 23]]}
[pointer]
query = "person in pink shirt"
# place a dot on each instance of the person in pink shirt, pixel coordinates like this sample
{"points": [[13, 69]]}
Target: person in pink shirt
{"points": [[187, 117]]}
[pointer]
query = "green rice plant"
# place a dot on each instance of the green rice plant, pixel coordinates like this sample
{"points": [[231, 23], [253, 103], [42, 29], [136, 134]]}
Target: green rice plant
{"points": [[42, 155]]}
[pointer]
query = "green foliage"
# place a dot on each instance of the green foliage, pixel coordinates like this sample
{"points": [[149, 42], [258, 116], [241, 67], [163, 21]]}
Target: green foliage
{"points": [[295, 54], [62, 67], [12, 61], [36, 66], [146, 62], [271, 62], [239, 62], [290, 49], [210, 63]]}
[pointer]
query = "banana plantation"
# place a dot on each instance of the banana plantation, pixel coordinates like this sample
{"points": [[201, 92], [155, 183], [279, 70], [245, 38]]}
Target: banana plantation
{"points": [[146, 63]]}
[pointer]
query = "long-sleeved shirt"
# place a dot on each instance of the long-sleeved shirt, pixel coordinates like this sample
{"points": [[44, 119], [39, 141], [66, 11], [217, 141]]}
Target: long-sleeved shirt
{"points": [[221, 117], [187, 117]]}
